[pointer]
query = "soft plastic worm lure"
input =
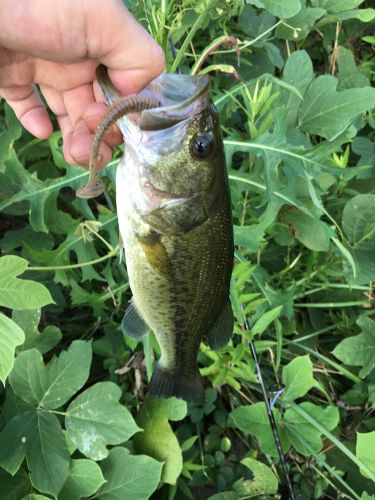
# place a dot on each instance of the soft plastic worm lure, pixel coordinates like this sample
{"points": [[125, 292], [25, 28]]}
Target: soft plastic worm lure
{"points": [[121, 107]]}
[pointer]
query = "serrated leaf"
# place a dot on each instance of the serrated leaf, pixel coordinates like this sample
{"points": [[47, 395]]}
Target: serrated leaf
{"points": [[35, 191], [53, 385], [254, 420], [7, 138], [359, 350], [96, 419], [84, 479], [327, 112], [297, 426], [365, 449], [17, 293], [263, 481], [282, 9], [158, 439], [38, 435], [11, 335], [298, 378], [129, 476]]}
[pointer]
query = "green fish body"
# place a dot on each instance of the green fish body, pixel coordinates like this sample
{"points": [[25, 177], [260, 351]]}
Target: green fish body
{"points": [[174, 211]]}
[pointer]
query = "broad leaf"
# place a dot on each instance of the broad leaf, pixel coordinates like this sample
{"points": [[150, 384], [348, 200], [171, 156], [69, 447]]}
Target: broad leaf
{"points": [[53, 385], [14, 487], [298, 71], [39, 436], [365, 449], [359, 350], [326, 112], [254, 420], [282, 9], [16, 293], [11, 335], [358, 221], [96, 419], [44, 341], [299, 430], [263, 481], [85, 478], [158, 439], [335, 6], [310, 231], [298, 378], [129, 476]]}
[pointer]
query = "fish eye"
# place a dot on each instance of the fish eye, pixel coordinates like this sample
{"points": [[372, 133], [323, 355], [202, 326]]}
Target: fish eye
{"points": [[201, 146]]}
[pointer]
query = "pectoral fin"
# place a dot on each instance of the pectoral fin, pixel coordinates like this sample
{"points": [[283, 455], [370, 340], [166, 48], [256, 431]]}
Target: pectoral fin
{"points": [[132, 324], [222, 330]]}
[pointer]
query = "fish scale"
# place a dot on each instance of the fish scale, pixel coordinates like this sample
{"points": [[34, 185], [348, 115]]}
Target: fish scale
{"points": [[174, 212]]}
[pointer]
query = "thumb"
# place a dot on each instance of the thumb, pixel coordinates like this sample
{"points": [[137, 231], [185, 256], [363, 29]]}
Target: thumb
{"points": [[132, 56]]}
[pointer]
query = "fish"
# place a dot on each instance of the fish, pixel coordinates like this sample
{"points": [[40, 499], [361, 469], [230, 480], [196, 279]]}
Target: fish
{"points": [[174, 212]]}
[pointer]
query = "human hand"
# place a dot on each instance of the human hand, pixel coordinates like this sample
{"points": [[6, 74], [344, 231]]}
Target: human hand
{"points": [[58, 46]]}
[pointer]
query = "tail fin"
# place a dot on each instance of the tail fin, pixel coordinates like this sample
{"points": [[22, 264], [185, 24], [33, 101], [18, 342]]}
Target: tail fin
{"points": [[165, 384]]}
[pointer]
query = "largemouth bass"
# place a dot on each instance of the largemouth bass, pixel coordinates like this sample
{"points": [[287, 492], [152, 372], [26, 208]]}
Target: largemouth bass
{"points": [[174, 212]]}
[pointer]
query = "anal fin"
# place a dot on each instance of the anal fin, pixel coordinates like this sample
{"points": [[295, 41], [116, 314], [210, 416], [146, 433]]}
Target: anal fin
{"points": [[222, 329], [132, 324]]}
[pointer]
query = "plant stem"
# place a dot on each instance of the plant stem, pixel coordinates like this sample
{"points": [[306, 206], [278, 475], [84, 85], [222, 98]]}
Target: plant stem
{"points": [[109, 255]]}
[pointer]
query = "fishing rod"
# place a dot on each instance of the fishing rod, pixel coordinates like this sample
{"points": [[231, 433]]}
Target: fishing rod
{"points": [[268, 403]]}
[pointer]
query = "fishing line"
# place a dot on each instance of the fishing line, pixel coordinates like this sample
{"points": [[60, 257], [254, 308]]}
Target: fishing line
{"points": [[269, 405]]}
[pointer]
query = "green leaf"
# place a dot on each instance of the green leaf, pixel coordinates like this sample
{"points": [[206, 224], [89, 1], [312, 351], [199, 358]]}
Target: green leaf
{"points": [[45, 340], [39, 436], [296, 426], [225, 495], [7, 138], [254, 420], [349, 76], [326, 112], [14, 487], [35, 496], [358, 222], [265, 320], [16, 293], [335, 6], [85, 478], [365, 449], [282, 9], [53, 385], [158, 439], [96, 418], [129, 476], [310, 231], [364, 15], [359, 350], [263, 481], [11, 335], [298, 71], [301, 24], [298, 378]]}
